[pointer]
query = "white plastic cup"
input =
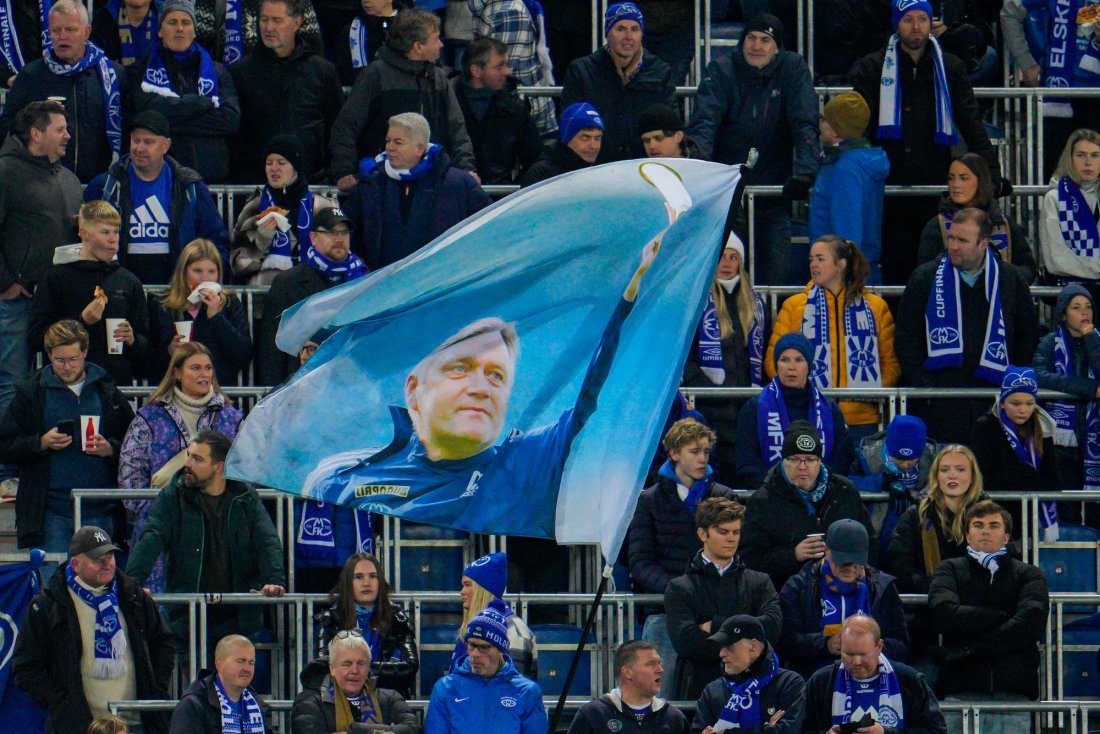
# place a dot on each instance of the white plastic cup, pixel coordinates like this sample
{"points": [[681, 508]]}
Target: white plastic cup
{"points": [[89, 426], [185, 329], [114, 346]]}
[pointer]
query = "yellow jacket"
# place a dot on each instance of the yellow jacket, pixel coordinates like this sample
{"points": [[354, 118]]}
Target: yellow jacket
{"points": [[856, 413]]}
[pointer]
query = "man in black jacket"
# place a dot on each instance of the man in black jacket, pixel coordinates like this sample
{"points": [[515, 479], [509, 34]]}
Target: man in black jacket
{"points": [[991, 610], [578, 146], [620, 80], [93, 635], [227, 687], [505, 139], [919, 145], [716, 587], [895, 696], [284, 88], [967, 249]]}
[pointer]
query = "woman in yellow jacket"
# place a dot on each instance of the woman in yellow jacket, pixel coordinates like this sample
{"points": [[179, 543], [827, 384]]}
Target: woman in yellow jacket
{"points": [[851, 330]]}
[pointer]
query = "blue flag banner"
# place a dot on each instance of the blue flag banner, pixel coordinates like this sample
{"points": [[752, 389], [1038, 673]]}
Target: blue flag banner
{"points": [[513, 375], [18, 585]]}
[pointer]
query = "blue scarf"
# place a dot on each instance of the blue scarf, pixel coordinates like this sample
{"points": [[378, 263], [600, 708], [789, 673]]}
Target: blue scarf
{"points": [[697, 490], [370, 634], [156, 80], [890, 710], [282, 248], [9, 38], [839, 600], [862, 366], [147, 31], [112, 94], [756, 342], [316, 532], [772, 420], [1076, 220], [998, 237], [1065, 414], [989, 561], [890, 104], [708, 343], [910, 478], [251, 721], [742, 710], [1061, 52], [110, 640], [368, 165], [234, 36], [337, 273], [943, 322], [1026, 454], [357, 40]]}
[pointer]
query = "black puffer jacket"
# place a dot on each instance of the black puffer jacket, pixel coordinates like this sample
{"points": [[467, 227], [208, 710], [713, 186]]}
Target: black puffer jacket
{"points": [[314, 709], [703, 595], [198, 711], [398, 660], [505, 139], [991, 626], [596, 80], [556, 160]]}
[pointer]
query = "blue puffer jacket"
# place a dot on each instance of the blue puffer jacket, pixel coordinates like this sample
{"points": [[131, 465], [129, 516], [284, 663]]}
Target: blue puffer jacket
{"points": [[847, 196], [506, 703]]}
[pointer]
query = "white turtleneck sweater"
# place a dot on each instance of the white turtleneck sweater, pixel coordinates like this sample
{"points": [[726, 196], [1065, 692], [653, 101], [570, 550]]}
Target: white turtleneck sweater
{"points": [[1058, 258], [191, 409]]}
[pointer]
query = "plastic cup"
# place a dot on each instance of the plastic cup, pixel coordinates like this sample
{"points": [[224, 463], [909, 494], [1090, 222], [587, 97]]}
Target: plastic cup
{"points": [[114, 346], [185, 329]]}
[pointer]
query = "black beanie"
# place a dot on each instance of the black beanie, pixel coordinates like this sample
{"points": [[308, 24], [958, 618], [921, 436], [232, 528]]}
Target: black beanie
{"points": [[659, 117], [802, 438], [289, 147], [766, 23]]}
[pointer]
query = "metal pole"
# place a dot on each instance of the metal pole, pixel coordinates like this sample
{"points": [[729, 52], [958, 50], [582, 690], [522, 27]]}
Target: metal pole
{"points": [[580, 649]]}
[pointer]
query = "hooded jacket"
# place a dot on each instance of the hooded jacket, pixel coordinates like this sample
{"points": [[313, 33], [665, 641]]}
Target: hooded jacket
{"points": [[314, 710], [504, 703], [596, 79], [933, 238], [606, 714], [786, 692], [391, 85], [199, 712], [39, 201], [703, 595], [848, 194], [66, 290], [557, 159]]}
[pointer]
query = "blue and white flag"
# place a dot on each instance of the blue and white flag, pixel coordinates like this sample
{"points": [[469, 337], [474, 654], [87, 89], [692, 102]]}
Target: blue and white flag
{"points": [[18, 585], [513, 375]]}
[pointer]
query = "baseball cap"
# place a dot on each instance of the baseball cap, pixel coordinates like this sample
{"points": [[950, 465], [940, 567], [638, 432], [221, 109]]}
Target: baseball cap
{"points": [[327, 219], [739, 627], [847, 542], [152, 121], [92, 541]]}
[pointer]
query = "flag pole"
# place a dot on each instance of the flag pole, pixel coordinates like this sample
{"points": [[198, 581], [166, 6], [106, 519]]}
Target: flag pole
{"points": [[588, 624]]}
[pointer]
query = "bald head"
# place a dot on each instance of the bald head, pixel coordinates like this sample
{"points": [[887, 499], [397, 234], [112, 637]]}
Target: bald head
{"points": [[861, 646], [861, 624]]}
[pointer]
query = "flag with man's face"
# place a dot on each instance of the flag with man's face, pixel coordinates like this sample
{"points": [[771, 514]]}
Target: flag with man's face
{"points": [[512, 376]]}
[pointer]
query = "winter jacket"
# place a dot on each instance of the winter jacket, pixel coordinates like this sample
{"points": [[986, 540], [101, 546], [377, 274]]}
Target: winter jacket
{"points": [[916, 158], [848, 195], [596, 79], [1028, 29], [703, 595], [1056, 255], [505, 703], [606, 714], [933, 238], [23, 424], [225, 335], [194, 214], [559, 158], [774, 110], [856, 413], [391, 85], [199, 712], [1021, 330], [803, 645], [27, 27], [435, 202], [843, 33], [398, 659], [905, 557], [252, 243], [786, 692], [38, 205], [778, 518], [522, 646], [289, 287], [46, 659], [1084, 355], [200, 131], [920, 708], [175, 529], [88, 152], [314, 709], [991, 627], [662, 535], [66, 290], [747, 456], [505, 140], [298, 95]]}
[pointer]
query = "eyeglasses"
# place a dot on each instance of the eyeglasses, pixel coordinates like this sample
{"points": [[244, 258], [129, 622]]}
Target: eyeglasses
{"points": [[480, 647], [803, 460], [345, 634]]}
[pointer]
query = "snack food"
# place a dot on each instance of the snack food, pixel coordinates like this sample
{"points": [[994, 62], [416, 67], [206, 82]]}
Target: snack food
{"points": [[273, 209], [1088, 14], [100, 294]]}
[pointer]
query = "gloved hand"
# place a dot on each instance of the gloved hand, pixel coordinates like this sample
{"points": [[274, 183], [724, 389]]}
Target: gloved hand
{"points": [[1002, 187], [797, 188], [899, 495]]}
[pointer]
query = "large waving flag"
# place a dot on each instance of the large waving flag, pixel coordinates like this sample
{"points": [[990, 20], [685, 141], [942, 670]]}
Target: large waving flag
{"points": [[18, 586], [512, 376]]}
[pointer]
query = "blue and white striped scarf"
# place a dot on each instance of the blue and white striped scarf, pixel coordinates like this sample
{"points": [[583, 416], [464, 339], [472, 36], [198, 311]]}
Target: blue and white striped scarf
{"points": [[890, 711], [9, 37], [943, 322], [1026, 454], [1065, 414], [1076, 220], [234, 35], [990, 561], [251, 721], [157, 81], [281, 255], [110, 640], [772, 420], [862, 367], [357, 41], [890, 104], [742, 710], [112, 91]]}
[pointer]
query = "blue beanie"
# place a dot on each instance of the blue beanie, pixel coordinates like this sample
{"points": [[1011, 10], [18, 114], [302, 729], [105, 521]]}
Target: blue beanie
{"points": [[1018, 379], [793, 340], [490, 572], [622, 11], [901, 7], [905, 437], [491, 625], [577, 117], [1066, 295]]}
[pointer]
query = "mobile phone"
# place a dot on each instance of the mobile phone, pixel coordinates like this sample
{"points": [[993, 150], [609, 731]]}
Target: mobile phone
{"points": [[66, 427], [851, 727]]}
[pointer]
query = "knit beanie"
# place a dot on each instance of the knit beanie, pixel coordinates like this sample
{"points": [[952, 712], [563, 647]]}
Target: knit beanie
{"points": [[1066, 295], [490, 625], [289, 147], [766, 23], [577, 117], [622, 11], [659, 117], [733, 242], [793, 340], [905, 437], [848, 115], [802, 438], [901, 7], [177, 6], [1018, 379], [490, 572]]}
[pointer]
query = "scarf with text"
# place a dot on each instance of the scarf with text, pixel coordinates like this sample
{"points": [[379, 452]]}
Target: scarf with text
{"points": [[742, 710], [110, 640], [316, 532], [772, 420], [243, 717], [863, 368], [890, 710], [234, 35], [112, 91], [9, 37], [890, 104], [157, 80], [1065, 414]]}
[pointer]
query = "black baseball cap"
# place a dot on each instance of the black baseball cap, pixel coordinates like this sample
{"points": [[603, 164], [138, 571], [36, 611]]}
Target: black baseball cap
{"points": [[92, 542], [327, 219], [152, 121], [739, 627]]}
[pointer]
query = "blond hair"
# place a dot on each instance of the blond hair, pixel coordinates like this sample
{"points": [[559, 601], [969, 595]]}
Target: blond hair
{"points": [[168, 383], [108, 724], [935, 498], [745, 304], [176, 297], [479, 601], [97, 212], [685, 431], [64, 333], [1065, 161]]}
